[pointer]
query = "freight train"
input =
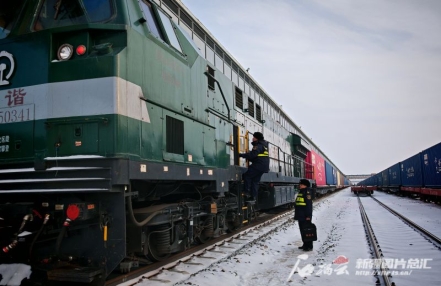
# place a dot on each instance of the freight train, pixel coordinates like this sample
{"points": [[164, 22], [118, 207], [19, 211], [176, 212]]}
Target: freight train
{"points": [[417, 176], [120, 128]]}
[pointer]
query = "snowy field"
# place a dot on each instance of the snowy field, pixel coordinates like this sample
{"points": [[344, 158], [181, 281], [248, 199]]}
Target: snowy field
{"points": [[341, 255]]}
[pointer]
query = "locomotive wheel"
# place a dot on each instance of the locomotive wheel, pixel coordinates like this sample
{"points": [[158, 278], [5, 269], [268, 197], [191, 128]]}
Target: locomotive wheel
{"points": [[204, 231], [159, 243]]}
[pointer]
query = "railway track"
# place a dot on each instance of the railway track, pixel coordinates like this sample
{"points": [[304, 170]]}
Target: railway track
{"points": [[422, 230], [182, 265], [378, 254], [381, 269], [202, 256]]}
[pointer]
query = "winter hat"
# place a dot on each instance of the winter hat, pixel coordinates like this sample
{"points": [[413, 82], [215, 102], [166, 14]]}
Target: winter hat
{"points": [[258, 135], [305, 182]]}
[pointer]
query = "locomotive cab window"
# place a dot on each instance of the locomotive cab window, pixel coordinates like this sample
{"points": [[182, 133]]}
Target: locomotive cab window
{"points": [[166, 31], [149, 16], [170, 31], [58, 13]]}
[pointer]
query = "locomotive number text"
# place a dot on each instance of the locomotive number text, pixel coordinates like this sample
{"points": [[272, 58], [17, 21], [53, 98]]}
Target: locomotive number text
{"points": [[17, 114]]}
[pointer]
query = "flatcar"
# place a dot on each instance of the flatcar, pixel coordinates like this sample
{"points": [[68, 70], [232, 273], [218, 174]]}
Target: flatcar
{"points": [[368, 190], [120, 128], [417, 176]]}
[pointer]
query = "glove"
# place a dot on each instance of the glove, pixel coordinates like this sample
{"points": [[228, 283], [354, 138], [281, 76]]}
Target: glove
{"points": [[241, 155]]}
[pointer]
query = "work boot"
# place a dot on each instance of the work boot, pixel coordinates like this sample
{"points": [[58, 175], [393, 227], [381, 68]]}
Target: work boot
{"points": [[308, 247]]}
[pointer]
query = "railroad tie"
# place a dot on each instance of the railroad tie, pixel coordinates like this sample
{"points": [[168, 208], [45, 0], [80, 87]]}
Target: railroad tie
{"points": [[159, 280], [178, 271]]}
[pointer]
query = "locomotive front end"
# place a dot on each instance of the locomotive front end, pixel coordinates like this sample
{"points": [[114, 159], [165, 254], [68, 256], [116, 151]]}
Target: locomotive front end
{"points": [[58, 63]]}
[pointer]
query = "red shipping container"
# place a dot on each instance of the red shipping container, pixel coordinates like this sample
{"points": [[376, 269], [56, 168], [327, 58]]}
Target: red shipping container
{"points": [[319, 167]]}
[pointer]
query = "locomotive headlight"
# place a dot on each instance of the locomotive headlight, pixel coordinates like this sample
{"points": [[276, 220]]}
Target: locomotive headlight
{"points": [[65, 52]]}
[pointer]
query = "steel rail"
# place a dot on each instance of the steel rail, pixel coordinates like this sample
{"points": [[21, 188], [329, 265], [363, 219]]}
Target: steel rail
{"points": [[376, 247], [411, 223], [149, 271], [154, 269]]}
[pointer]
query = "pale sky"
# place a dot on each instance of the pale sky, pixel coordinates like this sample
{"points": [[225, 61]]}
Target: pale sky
{"points": [[361, 77]]}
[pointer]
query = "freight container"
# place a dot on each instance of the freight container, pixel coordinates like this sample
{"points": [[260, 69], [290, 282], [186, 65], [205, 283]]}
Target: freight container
{"points": [[319, 167], [395, 175], [342, 180], [370, 181], [385, 178], [330, 174], [379, 180], [411, 172], [431, 166]]}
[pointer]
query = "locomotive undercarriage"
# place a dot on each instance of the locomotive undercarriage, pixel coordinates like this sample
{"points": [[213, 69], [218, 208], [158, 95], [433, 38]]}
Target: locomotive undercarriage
{"points": [[163, 228], [79, 223]]}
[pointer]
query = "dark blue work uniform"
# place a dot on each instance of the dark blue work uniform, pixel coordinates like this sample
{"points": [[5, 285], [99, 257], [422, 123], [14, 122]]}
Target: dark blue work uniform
{"points": [[259, 159], [303, 210]]}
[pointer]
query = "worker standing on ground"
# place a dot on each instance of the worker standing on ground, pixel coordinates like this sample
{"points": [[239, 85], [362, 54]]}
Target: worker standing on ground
{"points": [[303, 210]]}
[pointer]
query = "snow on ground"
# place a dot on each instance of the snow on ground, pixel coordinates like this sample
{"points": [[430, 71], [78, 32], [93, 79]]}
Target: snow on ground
{"points": [[341, 255], [276, 259], [413, 258], [427, 215]]}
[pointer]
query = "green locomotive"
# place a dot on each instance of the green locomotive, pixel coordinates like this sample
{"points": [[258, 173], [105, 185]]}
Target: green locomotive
{"points": [[120, 128]]}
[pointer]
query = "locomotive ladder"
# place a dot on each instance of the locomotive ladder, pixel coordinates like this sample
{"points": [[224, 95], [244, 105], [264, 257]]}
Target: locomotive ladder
{"points": [[248, 212]]}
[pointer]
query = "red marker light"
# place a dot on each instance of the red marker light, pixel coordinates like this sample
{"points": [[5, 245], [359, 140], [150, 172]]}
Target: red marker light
{"points": [[81, 50], [73, 211]]}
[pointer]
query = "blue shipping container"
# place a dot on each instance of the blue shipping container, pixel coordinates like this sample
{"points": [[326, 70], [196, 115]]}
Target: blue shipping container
{"points": [[395, 175], [431, 161], [411, 173], [372, 181], [330, 174], [379, 180], [366, 182], [385, 178]]}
